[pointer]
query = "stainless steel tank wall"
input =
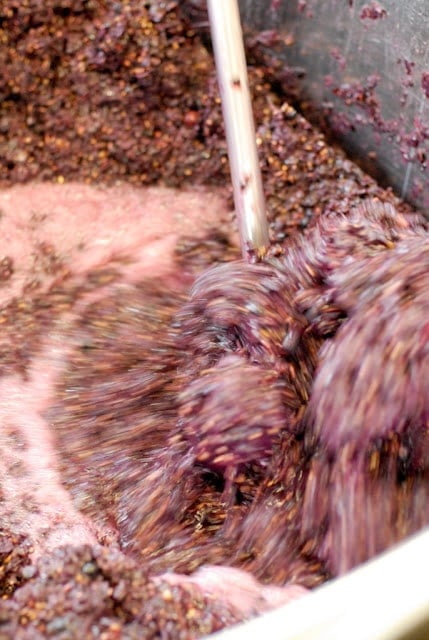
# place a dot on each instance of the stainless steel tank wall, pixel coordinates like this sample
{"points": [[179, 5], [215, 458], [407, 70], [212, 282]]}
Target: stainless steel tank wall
{"points": [[366, 73]]}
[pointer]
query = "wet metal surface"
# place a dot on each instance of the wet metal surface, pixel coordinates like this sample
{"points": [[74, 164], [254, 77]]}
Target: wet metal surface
{"points": [[366, 75]]}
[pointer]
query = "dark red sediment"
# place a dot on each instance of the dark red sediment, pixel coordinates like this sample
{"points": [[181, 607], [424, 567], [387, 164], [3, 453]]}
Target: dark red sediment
{"points": [[425, 83], [373, 11], [99, 593], [100, 92], [203, 425]]}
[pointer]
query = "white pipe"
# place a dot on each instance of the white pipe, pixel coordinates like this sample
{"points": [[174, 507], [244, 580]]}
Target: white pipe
{"points": [[231, 67]]}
